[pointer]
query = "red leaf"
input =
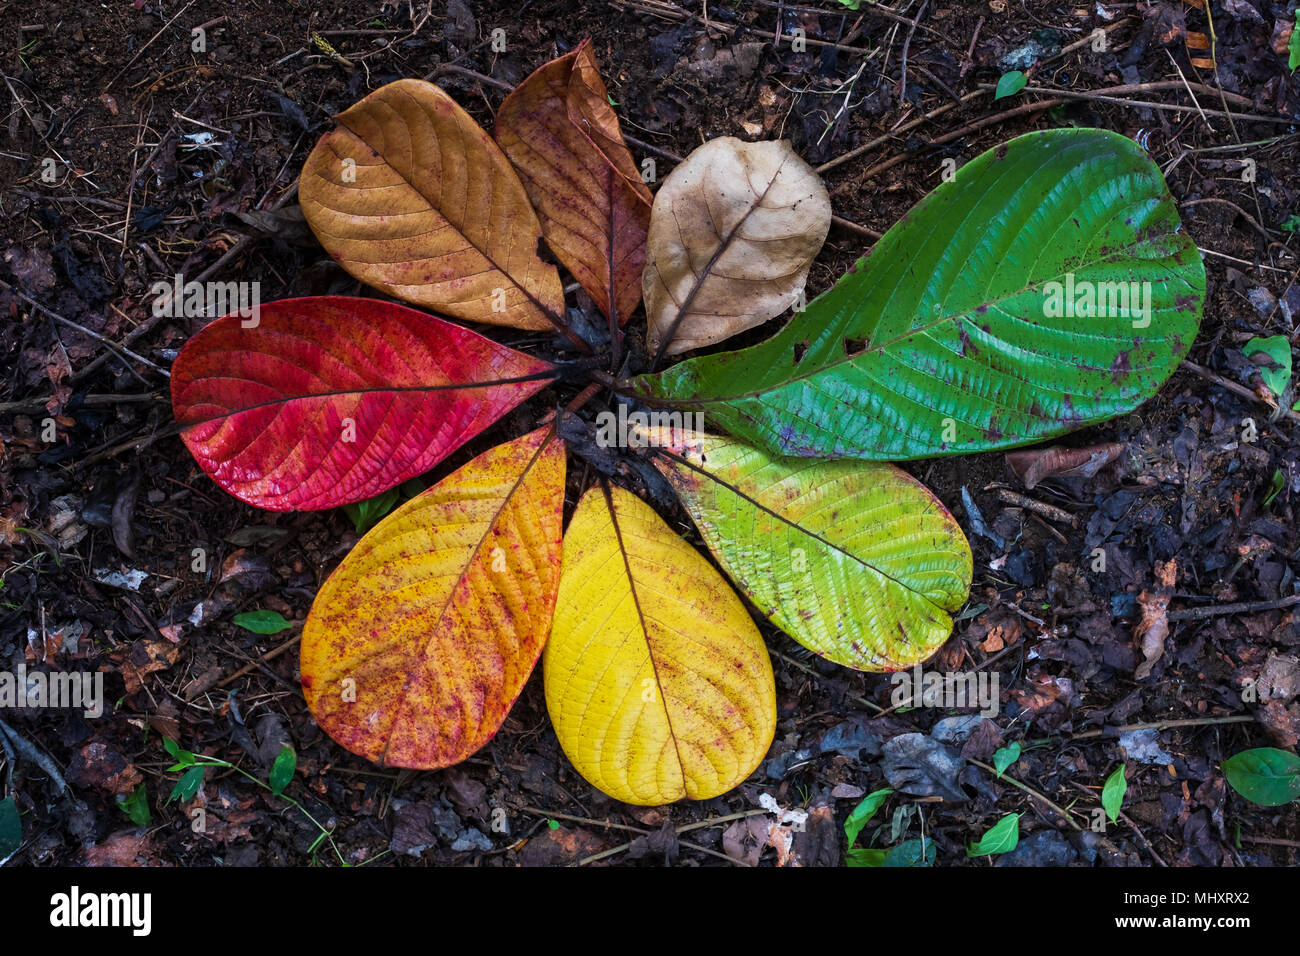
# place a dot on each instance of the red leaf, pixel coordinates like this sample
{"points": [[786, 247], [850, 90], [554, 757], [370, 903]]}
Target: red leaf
{"points": [[331, 400]]}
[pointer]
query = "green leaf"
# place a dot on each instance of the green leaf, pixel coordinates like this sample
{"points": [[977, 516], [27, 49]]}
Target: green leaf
{"points": [[863, 857], [136, 805], [1275, 486], [863, 813], [286, 761], [1002, 837], [11, 829], [946, 338], [188, 785], [1009, 84], [857, 561], [1266, 776], [1004, 757], [911, 853], [262, 622], [1273, 356], [183, 758], [364, 515], [1293, 48], [1112, 793]]}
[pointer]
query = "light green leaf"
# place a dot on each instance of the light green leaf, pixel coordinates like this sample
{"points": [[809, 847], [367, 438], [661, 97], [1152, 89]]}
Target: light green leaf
{"points": [[1112, 793], [188, 785], [1009, 84], [136, 805], [1293, 48], [1273, 356], [1002, 837], [262, 622], [183, 758], [286, 761], [996, 314], [863, 813], [1004, 757], [857, 561], [1267, 776]]}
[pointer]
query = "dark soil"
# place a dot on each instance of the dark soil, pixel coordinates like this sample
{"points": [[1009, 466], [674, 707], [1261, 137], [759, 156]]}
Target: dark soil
{"points": [[169, 161]]}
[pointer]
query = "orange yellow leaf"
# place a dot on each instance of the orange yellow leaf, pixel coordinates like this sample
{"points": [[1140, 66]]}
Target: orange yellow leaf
{"points": [[420, 641], [411, 196]]}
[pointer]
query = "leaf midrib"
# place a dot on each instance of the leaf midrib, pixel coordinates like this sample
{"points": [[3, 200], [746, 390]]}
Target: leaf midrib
{"points": [[375, 390]]}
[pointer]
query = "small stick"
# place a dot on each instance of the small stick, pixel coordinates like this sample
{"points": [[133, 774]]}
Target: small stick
{"points": [[1219, 610], [1007, 496], [253, 665]]}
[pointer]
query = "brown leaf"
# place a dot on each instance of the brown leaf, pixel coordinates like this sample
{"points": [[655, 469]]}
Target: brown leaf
{"points": [[1153, 628], [745, 839], [733, 232], [144, 658], [563, 138], [1036, 464], [432, 211]]}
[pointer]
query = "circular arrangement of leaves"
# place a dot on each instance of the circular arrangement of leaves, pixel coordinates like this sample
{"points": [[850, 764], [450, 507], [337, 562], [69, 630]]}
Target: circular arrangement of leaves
{"points": [[961, 331]]}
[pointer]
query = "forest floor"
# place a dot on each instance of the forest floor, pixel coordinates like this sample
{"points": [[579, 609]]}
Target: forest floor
{"points": [[169, 161]]}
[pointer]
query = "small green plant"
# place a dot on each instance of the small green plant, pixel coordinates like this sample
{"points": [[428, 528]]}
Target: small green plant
{"points": [[136, 805], [195, 766], [858, 819], [1275, 486]]}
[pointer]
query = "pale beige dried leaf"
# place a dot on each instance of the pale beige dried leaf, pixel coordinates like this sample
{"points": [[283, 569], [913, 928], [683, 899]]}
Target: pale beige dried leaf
{"points": [[733, 232]]}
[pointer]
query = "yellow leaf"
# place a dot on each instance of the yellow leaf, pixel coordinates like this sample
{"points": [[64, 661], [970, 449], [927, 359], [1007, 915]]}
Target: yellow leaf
{"points": [[420, 641], [657, 681], [411, 196]]}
